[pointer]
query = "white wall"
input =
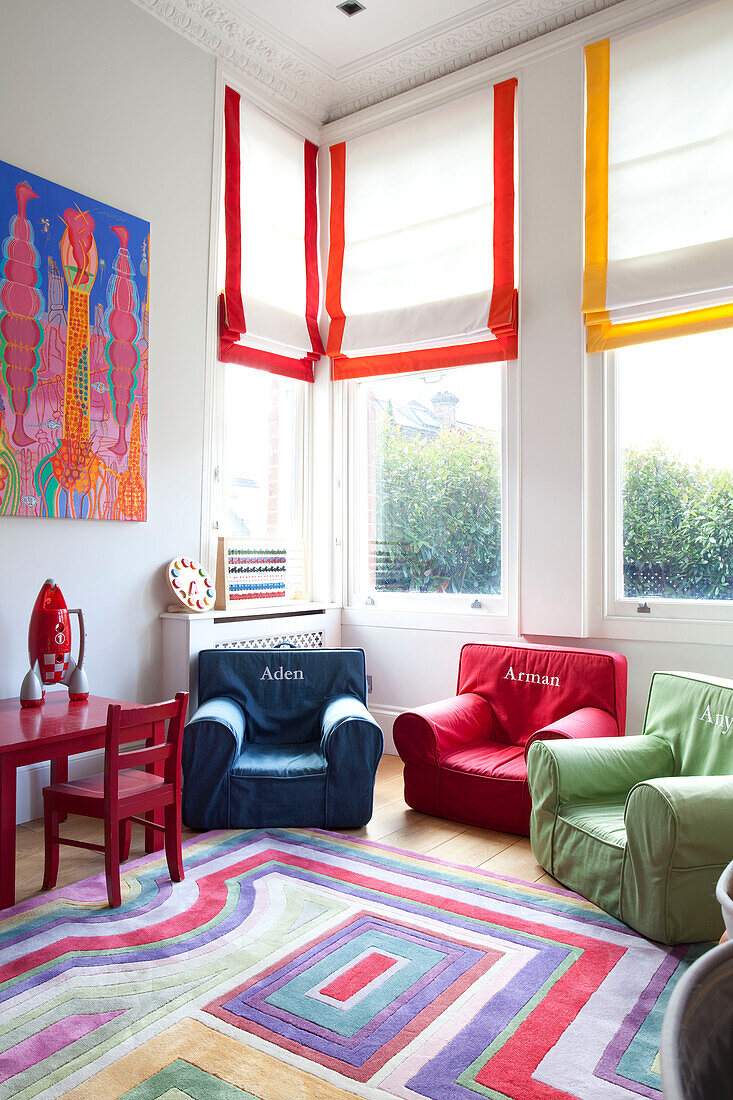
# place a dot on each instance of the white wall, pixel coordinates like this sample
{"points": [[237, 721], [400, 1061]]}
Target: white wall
{"points": [[550, 123], [100, 97]]}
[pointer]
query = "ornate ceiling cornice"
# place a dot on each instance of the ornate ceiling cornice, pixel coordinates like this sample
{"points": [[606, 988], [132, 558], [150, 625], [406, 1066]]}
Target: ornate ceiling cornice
{"points": [[514, 22], [324, 98], [263, 60]]}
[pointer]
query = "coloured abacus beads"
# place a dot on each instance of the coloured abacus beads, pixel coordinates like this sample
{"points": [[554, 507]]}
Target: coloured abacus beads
{"points": [[262, 573], [191, 584], [251, 572]]}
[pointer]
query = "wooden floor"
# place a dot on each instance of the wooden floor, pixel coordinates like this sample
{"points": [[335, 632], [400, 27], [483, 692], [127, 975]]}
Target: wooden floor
{"points": [[393, 823]]}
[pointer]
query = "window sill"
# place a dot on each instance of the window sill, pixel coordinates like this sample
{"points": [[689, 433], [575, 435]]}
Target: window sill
{"points": [[647, 628], [269, 610], [477, 621]]}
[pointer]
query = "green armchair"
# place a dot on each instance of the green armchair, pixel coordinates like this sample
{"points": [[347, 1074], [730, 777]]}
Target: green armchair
{"points": [[643, 826]]}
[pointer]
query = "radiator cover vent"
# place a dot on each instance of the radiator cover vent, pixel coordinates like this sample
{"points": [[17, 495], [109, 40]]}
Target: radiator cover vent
{"points": [[305, 639]]}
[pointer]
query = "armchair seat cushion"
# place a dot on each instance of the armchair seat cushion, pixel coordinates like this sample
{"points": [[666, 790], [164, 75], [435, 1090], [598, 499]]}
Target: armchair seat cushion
{"points": [[280, 761], [493, 760], [602, 821]]}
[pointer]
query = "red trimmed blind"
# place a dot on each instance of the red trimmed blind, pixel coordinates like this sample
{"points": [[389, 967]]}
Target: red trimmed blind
{"points": [[421, 270], [268, 315]]}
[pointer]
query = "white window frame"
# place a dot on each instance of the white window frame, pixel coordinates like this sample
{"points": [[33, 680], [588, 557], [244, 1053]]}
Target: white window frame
{"points": [[300, 456], [685, 620], [301, 465], [212, 481], [496, 614]]}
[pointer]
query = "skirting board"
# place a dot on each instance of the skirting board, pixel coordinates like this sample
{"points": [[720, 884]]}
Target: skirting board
{"points": [[385, 717]]}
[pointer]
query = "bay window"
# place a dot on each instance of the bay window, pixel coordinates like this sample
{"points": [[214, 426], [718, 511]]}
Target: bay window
{"points": [[421, 294], [268, 285], [428, 489]]}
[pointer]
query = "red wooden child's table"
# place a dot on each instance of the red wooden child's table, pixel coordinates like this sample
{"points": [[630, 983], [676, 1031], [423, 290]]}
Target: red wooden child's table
{"points": [[54, 731]]}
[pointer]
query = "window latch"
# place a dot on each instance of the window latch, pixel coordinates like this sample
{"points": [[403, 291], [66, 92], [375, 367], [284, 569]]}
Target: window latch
{"points": [[644, 609]]}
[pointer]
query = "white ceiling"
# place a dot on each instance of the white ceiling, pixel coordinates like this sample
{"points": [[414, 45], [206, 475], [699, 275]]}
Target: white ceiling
{"points": [[327, 65], [339, 44]]}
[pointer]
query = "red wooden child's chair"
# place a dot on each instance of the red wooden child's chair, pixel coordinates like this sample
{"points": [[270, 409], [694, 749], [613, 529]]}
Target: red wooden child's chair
{"points": [[122, 793]]}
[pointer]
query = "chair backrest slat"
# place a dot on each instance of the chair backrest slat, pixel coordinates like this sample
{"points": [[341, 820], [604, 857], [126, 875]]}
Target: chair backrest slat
{"points": [[137, 758], [144, 723], [146, 715]]}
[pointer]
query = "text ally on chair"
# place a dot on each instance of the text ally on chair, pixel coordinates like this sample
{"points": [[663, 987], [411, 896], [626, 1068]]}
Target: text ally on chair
{"points": [[465, 756]]}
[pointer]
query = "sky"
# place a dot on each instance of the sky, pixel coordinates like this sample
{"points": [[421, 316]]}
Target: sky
{"points": [[248, 396], [477, 388], [681, 393]]}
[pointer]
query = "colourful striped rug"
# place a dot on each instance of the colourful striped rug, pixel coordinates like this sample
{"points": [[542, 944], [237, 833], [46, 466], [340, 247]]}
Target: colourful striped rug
{"points": [[295, 963]]}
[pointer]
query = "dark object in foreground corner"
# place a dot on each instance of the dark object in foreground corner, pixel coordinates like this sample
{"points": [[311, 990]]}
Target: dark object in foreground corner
{"points": [[696, 1051]]}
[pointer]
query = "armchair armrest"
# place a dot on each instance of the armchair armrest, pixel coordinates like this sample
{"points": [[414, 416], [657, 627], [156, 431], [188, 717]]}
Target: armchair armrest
{"points": [[582, 723], [222, 722], [352, 743], [688, 817], [336, 715], [679, 838], [212, 741], [426, 733], [594, 768]]}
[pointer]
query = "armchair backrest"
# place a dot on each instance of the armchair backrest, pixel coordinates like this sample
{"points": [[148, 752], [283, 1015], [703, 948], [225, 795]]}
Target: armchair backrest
{"points": [[694, 714], [528, 687], [282, 691]]}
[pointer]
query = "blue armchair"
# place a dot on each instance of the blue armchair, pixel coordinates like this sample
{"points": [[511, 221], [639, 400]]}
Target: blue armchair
{"points": [[281, 737]]}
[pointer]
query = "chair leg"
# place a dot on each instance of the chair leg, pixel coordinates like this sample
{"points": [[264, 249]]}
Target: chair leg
{"points": [[51, 863], [112, 863], [173, 852], [125, 838], [153, 839]]}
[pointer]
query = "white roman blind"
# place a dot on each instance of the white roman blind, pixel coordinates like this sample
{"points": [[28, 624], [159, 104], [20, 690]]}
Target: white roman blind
{"points": [[421, 260], [659, 180], [269, 307]]}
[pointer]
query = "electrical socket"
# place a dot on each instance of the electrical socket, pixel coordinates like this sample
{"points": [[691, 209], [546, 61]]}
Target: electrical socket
{"points": [[369, 684]]}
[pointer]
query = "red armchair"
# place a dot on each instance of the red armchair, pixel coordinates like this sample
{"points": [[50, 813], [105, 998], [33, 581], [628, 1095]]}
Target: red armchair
{"points": [[465, 757]]}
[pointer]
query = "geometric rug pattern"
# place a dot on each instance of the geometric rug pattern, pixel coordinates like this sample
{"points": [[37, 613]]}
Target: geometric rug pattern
{"points": [[297, 964]]}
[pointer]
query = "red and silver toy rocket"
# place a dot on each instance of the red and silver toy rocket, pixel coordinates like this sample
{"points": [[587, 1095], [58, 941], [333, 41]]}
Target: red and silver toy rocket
{"points": [[49, 649]]}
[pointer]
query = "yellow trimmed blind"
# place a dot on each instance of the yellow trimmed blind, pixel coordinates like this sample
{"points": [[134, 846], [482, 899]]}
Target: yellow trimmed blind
{"points": [[659, 181]]}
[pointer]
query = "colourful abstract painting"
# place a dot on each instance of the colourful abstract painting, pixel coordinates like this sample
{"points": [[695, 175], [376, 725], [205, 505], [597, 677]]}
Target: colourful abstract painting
{"points": [[73, 353]]}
